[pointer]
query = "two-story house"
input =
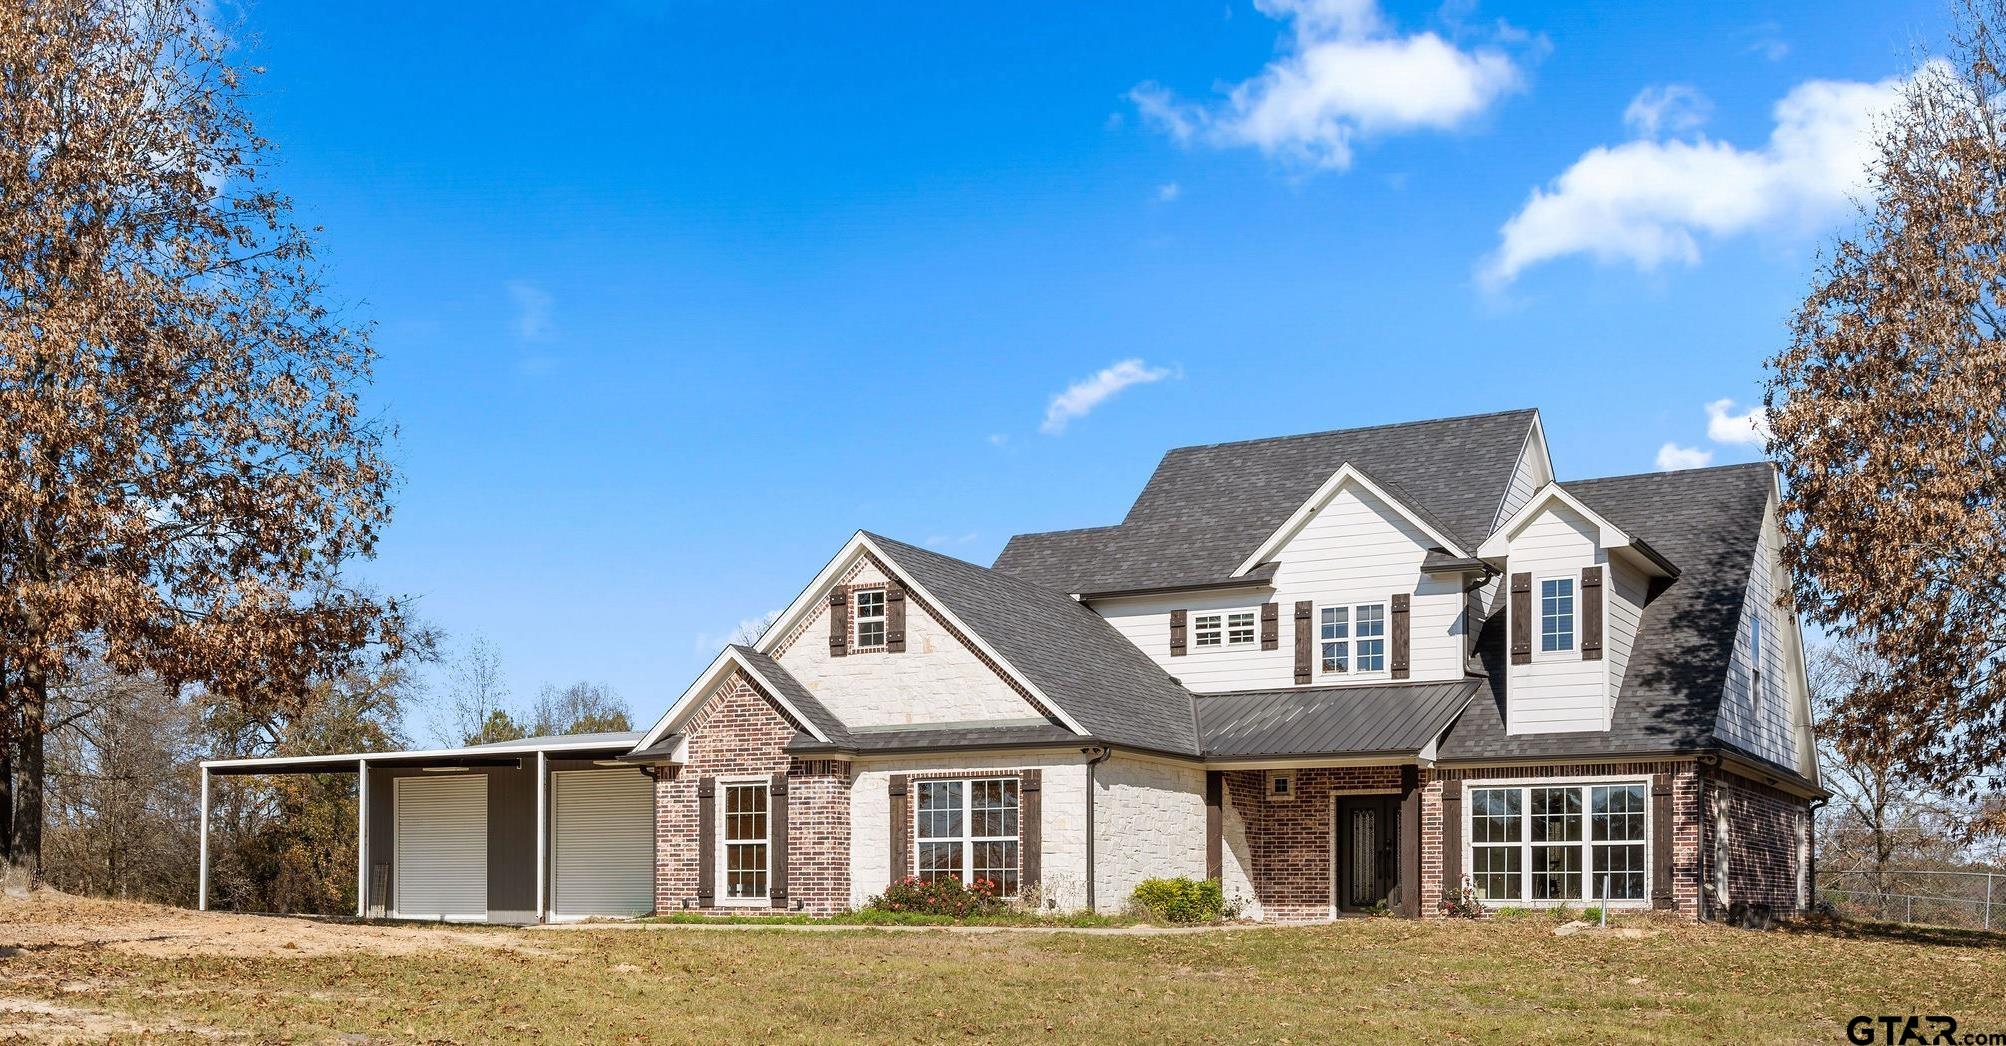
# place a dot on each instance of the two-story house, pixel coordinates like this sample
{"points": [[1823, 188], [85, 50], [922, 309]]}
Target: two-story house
{"points": [[1338, 671]]}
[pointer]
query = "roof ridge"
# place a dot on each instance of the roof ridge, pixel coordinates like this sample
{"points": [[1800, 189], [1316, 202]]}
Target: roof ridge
{"points": [[1354, 429], [1763, 464]]}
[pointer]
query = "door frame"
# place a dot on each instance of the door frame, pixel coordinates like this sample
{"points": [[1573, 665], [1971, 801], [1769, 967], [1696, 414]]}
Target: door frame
{"points": [[1388, 804]]}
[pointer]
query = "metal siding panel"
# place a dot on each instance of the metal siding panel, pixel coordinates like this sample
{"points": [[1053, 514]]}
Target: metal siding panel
{"points": [[602, 847], [441, 864]]}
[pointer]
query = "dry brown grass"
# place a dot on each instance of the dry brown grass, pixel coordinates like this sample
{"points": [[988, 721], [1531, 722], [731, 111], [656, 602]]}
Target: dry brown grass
{"points": [[1364, 979]]}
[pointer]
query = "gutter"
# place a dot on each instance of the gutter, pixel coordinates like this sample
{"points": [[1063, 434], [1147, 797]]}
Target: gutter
{"points": [[1100, 757]]}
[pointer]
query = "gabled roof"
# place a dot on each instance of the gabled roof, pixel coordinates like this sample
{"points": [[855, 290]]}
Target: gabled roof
{"points": [[1395, 719], [1497, 547], [1207, 508], [793, 698], [1068, 652], [1709, 522]]}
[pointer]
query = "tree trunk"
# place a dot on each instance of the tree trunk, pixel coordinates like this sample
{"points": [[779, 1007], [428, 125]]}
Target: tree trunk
{"points": [[27, 828]]}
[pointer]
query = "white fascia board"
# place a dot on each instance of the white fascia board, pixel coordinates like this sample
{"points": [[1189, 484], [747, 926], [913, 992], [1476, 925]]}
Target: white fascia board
{"points": [[726, 660], [1346, 472], [1497, 547], [426, 753]]}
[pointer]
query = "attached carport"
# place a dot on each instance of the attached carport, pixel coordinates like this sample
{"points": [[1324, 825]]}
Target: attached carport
{"points": [[536, 830]]}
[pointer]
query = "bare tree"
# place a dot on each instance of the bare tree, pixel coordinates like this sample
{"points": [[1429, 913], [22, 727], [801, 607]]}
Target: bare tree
{"points": [[580, 708], [121, 796], [184, 467], [1889, 418], [753, 629], [475, 708]]}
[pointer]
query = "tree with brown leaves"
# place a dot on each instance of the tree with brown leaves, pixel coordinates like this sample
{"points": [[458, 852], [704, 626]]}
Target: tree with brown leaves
{"points": [[184, 468], [1889, 418]]}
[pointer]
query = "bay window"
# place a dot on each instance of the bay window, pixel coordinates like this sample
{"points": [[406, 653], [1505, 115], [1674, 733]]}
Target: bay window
{"points": [[1557, 843]]}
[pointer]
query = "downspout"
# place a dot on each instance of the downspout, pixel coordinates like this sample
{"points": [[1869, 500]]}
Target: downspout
{"points": [[1708, 821], [1811, 836], [1098, 759]]}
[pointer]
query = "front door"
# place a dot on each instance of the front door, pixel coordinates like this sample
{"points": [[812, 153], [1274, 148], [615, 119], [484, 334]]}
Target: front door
{"points": [[1367, 867]]}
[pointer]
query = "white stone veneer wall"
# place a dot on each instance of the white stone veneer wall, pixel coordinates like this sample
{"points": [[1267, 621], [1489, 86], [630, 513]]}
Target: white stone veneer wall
{"points": [[1062, 796], [1149, 823]]}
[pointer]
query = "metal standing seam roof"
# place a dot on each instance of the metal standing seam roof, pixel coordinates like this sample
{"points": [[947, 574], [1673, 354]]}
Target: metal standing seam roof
{"points": [[1395, 718], [1206, 508], [1707, 522], [1069, 652]]}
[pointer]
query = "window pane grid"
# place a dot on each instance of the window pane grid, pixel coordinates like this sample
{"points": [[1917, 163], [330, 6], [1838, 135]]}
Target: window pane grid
{"points": [[745, 840], [869, 617], [968, 830], [1558, 842], [1556, 614], [1335, 632], [1209, 630], [1371, 642], [1240, 628]]}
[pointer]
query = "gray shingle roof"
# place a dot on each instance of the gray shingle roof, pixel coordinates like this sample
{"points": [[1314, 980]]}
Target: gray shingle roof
{"points": [[921, 737], [1077, 659], [1394, 719], [1206, 508], [1707, 522], [796, 694]]}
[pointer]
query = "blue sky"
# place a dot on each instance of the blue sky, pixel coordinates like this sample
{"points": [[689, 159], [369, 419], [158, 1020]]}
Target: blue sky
{"points": [[672, 297]]}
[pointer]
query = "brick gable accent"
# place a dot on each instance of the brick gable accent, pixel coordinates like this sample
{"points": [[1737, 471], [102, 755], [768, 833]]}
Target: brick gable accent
{"points": [[740, 731]]}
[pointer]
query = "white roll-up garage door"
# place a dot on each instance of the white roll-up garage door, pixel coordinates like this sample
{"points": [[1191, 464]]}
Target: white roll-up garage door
{"points": [[602, 844], [440, 869]]}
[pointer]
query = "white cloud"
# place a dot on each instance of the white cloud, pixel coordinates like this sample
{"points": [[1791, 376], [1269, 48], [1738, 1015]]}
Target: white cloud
{"points": [[1081, 397], [1672, 456], [946, 540], [532, 309], [1345, 75], [746, 632], [1750, 428], [1168, 191], [1669, 107], [997, 439], [1651, 201]]}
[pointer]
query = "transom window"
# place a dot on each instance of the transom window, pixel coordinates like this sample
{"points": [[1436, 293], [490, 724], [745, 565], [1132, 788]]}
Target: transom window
{"points": [[867, 616], [967, 830], [1556, 614], [745, 841], [1353, 638], [1553, 843], [1233, 629]]}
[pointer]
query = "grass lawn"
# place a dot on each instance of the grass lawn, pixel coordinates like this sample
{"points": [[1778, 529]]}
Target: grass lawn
{"points": [[1370, 978]]}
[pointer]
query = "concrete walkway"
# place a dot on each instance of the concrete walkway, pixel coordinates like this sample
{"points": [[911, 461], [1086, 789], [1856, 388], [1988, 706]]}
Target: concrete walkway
{"points": [[1084, 931]]}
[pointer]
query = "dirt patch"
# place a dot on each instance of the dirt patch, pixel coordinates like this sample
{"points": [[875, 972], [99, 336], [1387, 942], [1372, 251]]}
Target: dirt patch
{"points": [[50, 919], [39, 1021]]}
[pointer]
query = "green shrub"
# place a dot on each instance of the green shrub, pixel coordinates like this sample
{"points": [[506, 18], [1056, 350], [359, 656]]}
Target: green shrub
{"points": [[939, 897], [1183, 900]]}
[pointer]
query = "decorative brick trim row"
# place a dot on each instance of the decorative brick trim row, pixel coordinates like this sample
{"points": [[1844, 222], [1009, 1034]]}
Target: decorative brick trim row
{"points": [[812, 620], [850, 591]]}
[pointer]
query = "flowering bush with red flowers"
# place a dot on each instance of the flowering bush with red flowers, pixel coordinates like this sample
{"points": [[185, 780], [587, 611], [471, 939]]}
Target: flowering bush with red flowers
{"points": [[945, 896]]}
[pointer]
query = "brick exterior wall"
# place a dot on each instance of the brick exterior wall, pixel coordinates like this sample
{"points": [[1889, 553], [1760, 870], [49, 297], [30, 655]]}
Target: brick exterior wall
{"points": [[739, 731], [1288, 843], [1762, 856]]}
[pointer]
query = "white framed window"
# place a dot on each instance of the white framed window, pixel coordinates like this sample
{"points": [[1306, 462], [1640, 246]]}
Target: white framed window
{"points": [[1352, 638], [867, 618], [1282, 786], [1235, 628], [968, 830], [747, 850], [1556, 615], [1755, 694], [1558, 843]]}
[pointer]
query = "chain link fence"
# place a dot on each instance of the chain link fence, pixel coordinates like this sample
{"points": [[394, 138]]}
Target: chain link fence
{"points": [[1974, 900]]}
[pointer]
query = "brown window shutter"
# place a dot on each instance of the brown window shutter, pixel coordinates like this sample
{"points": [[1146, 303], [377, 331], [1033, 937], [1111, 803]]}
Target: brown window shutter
{"points": [[1399, 633], [1177, 633], [1521, 619], [1452, 836], [1030, 832], [839, 622], [1661, 840], [706, 842], [901, 866], [894, 618], [1305, 641], [1591, 613], [1215, 822], [776, 827], [1271, 626]]}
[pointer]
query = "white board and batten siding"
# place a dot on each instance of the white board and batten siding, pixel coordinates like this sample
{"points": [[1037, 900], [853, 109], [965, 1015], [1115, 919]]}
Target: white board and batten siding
{"points": [[1355, 549], [440, 867], [1529, 476], [1559, 692], [602, 844], [1766, 719]]}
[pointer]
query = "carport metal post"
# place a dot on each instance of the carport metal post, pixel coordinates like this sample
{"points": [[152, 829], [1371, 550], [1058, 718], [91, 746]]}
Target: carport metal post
{"points": [[542, 831], [202, 866], [362, 838]]}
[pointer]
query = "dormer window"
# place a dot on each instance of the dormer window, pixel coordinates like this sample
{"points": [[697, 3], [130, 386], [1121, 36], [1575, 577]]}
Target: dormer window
{"points": [[867, 617], [1353, 638], [1217, 630], [1556, 615]]}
